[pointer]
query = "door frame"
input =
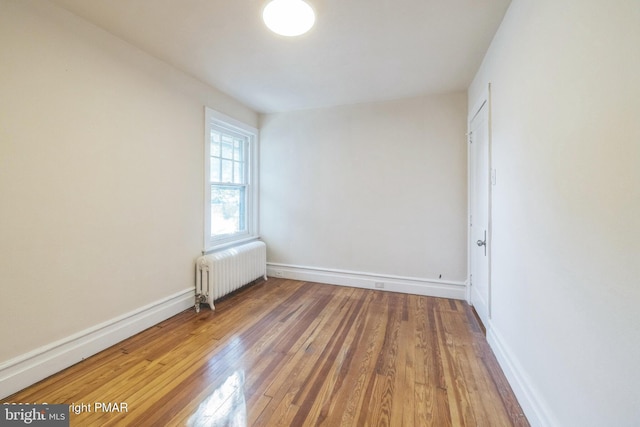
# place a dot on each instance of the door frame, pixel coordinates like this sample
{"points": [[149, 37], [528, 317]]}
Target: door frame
{"points": [[485, 98]]}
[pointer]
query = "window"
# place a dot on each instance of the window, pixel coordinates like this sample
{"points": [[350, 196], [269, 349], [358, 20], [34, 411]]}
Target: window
{"points": [[230, 180]]}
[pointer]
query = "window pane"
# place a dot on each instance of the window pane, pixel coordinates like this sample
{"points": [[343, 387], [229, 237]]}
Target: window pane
{"points": [[238, 150], [227, 171], [238, 173], [227, 210], [215, 144], [215, 169], [227, 147]]}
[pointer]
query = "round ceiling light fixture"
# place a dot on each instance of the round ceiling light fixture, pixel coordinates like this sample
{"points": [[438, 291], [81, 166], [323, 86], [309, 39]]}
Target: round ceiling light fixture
{"points": [[288, 17]]}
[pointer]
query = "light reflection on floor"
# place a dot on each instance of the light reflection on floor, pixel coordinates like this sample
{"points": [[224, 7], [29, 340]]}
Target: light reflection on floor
{"points": [[226, 406]]}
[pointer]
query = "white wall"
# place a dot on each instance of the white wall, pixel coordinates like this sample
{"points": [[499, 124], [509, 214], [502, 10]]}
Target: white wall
{"points": [[101, 180], [566, 207], [377, 188]]}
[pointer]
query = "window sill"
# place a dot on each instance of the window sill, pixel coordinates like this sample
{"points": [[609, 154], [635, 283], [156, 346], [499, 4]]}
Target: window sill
{"points": [[228, 244]]}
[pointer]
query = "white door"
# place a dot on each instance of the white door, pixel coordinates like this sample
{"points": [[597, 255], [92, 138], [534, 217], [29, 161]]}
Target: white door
{"points": [[479, 195]]}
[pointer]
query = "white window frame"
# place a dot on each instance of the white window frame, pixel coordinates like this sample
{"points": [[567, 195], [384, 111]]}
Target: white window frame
{"points": [[217, 119]]}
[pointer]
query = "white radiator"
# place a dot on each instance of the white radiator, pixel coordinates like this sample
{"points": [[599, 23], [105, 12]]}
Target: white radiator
{"points": [[220, 273]]}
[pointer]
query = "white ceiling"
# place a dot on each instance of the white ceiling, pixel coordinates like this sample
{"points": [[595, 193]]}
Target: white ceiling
{"points": [[358, 51]]}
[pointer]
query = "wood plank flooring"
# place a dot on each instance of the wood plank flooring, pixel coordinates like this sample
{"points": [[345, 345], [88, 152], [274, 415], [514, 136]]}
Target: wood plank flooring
{"points": [[289, 353]]}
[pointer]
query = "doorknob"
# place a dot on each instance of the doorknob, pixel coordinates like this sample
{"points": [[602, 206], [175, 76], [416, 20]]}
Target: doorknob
{"points": [[483, 243]]}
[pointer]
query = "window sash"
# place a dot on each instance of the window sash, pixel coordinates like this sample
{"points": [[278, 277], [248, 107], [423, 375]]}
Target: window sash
{"points": [[232, 166], [229, 223]]}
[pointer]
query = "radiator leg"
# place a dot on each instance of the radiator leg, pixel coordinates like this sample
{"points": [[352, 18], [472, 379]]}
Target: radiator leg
{"points": [[199, 300]]}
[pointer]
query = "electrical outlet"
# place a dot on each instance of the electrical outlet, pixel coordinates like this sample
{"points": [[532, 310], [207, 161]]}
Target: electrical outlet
{"points": [[379, 285], [277, 273]]}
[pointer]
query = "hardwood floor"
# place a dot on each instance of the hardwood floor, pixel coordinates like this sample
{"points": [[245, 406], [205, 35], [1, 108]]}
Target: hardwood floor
{"points": [[288, 353]]}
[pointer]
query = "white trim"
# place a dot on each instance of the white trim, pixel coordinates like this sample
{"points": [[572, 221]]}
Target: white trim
{"points": [[484, 99], [31, 367], [357, 279], [531, 401], [253, 183], [228, 121]]}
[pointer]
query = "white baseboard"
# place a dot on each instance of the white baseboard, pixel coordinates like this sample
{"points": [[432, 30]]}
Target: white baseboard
{"points": [[533, 405], [407, 285], [29, 368]]}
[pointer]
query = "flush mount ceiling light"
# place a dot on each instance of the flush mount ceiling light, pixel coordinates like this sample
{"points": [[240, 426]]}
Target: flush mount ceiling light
{"points": [[288, 17]]}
